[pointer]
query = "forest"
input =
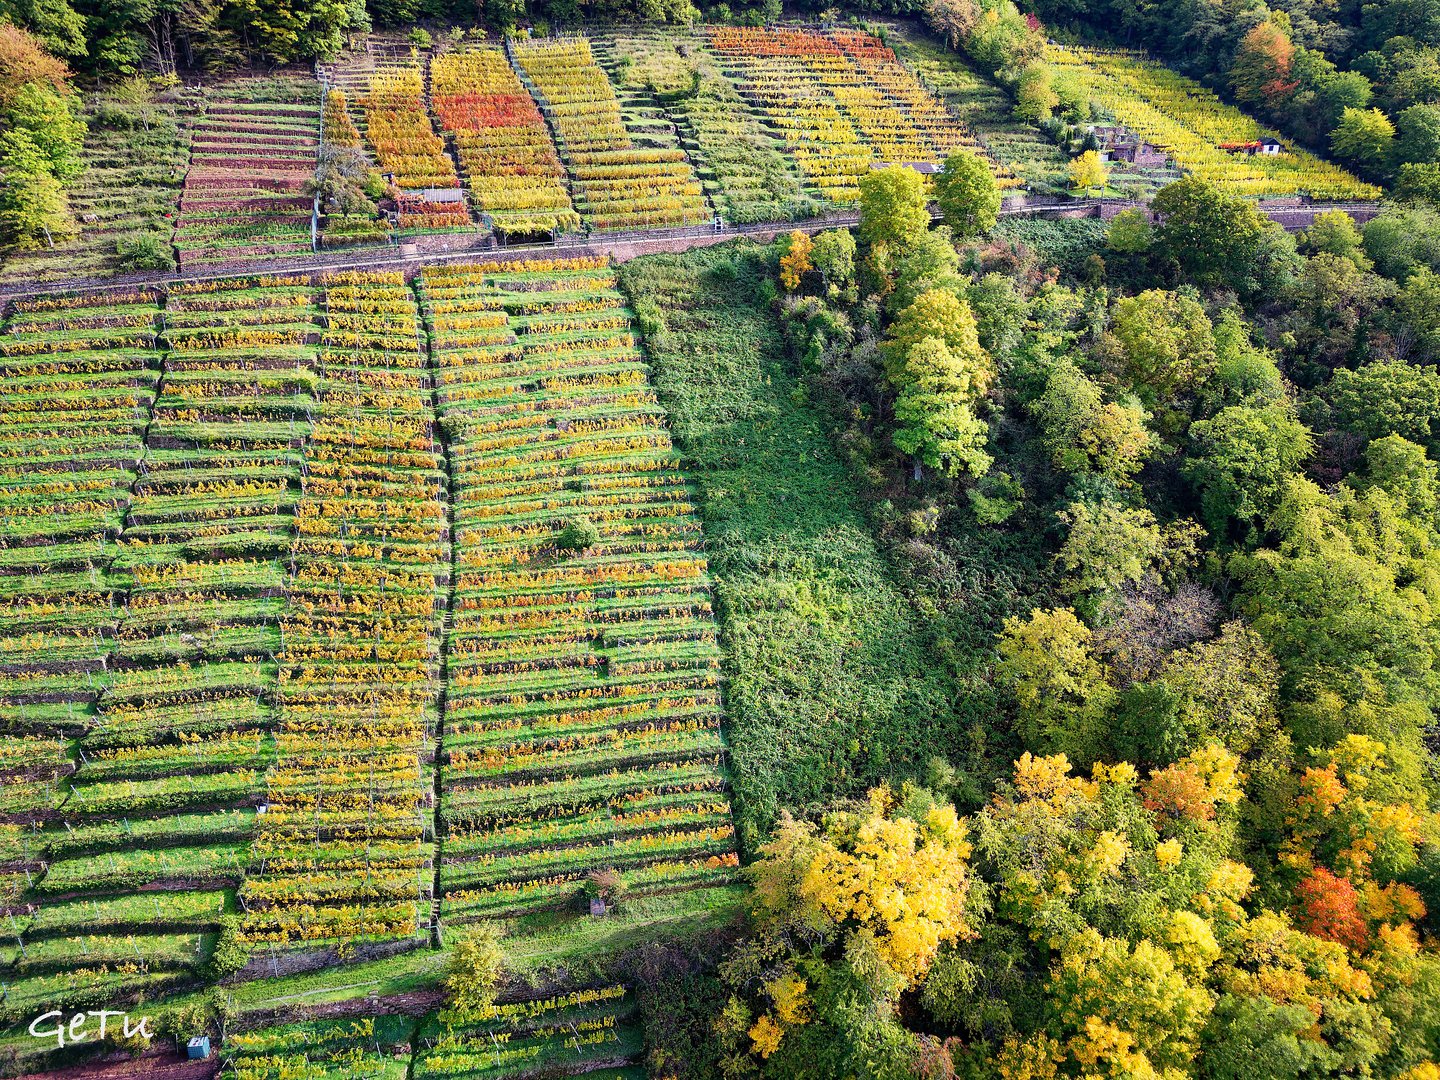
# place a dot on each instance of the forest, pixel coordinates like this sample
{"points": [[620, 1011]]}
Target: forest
{"points": [[1168, 514]]}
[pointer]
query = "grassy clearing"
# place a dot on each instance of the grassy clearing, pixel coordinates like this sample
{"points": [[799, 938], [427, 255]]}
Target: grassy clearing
{"points": [[831, 682]]}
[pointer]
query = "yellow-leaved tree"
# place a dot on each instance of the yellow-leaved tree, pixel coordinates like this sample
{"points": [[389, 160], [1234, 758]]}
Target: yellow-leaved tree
{"points": [[876, 872], [886, 885]]}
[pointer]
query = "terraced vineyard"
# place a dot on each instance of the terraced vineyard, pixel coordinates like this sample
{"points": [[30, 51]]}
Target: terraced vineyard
{"points": [[347, 224], [1189, 122], [618, 183], [859, 104], [342, 850], [983, 107], [670, 77], [583, 705], [511, 169], [397, 127], [583, 1033], [227, 578], [374, 1048], [80, 380]]}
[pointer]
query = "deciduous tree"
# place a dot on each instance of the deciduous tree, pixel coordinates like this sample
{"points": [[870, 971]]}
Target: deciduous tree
{"points": [[1261, 73], [1214, 236], [935, 421], [1088, 172], [893, 208], [967, 195], [1364, 136]]}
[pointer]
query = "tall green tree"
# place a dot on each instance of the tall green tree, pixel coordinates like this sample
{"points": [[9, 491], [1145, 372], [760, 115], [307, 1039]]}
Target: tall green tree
{"points": [[1364, 136], [935, 421], [1241, 460], [1215, 237], [33, 207], [59, 26], [893, 211], [51, 122], [1418, 134], [967, 195], [290, 30]]}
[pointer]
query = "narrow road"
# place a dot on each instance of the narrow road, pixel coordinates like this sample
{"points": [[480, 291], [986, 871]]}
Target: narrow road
{"points": [[621, 247]]}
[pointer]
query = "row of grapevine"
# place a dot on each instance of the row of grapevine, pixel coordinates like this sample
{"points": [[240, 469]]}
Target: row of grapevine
{"points": [[583, 701], [342, 851], [513, 173], [371, 1048]]}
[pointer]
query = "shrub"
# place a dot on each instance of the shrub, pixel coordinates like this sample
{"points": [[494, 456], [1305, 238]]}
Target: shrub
{"points": [[230, 954], [578, 534], [145, 251]]}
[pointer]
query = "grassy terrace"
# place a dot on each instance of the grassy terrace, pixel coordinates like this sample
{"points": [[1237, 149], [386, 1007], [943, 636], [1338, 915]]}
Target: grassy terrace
{"points": [[832, 678], [583, 719], [135, 157], [253, 149]]}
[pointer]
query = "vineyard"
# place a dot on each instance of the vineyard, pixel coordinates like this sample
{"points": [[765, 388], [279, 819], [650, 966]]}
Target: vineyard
{"points": [[1191, 124], [841, 102], [985, 108], [584, 1033], [513, 173], [629, 128], [678, 83], [618, 184], [583, 709], [369, 1049], [252, 153], [233, 666]]}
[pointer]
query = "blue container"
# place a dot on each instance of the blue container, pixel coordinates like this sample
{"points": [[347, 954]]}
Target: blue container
{"points": [[199, 1048]]}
